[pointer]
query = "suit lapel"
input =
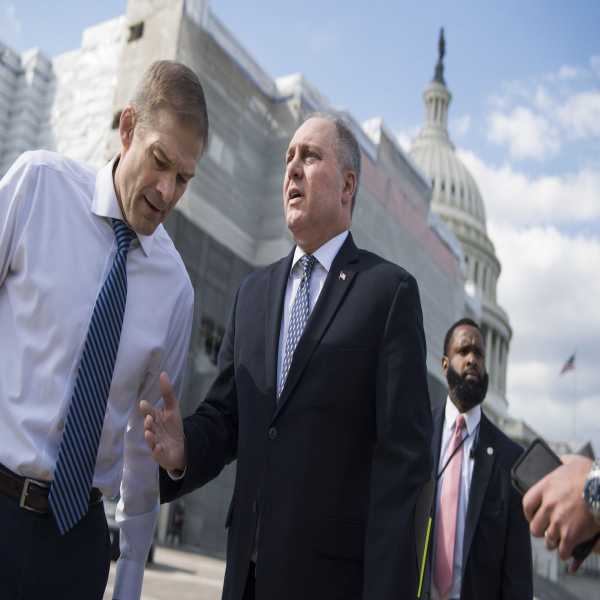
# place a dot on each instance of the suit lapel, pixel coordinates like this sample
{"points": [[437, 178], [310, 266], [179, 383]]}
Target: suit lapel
{"points": [[338, 282], [438, 413], [484, 462], [275, 298]]}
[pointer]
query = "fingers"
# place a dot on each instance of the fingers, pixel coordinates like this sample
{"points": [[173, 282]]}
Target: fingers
{"points": [[540, 522], [146, 408], [157, 453], [166, 391], [565, 549], [149, 413], [551, 538], [532, 500]]}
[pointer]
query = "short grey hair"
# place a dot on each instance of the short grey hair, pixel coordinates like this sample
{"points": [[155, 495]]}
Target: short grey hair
{"points": [[171, 85], [347, 149]]}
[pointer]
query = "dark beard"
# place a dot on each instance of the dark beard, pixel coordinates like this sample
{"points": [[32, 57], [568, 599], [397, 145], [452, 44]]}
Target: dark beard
{"points": [[464, 392]]}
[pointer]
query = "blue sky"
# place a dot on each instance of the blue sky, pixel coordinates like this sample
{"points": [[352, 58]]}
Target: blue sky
{"points": [[525, 117]]}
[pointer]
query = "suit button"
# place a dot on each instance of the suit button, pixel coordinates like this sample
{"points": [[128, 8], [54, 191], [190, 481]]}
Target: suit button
{"points": [[272, 433]]}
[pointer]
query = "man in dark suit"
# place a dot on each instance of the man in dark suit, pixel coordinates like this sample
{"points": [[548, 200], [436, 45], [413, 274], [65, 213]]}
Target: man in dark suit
{"points": [[322, 398], [481, 544]]}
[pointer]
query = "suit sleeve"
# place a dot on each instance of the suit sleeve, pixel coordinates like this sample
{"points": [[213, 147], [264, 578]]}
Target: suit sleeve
{"points": [[517, 578], [211, 432], [402, 454]]}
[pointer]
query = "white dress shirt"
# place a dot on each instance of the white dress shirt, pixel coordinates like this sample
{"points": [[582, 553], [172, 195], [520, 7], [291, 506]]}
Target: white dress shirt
{"points": [[56, 249], [325, 256], [472, 419]]}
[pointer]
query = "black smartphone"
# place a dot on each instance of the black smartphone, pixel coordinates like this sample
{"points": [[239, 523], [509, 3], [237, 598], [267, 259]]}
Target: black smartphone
{"points": [[535, 463]]}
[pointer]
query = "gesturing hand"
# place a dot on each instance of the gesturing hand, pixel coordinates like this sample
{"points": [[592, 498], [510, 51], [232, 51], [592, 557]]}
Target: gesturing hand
{"points": [[163, 429]]}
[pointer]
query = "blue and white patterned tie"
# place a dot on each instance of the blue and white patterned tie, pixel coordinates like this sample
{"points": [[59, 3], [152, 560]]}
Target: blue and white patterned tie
{"points": [[74, 472], [298, 317]]}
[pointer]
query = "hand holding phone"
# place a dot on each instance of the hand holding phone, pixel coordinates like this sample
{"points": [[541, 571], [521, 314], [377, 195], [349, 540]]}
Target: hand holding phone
{"points": [[535, 463]]}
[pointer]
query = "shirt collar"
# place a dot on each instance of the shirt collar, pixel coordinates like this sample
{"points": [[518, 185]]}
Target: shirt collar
{"points": [[106, 205], [472, 416], [326, 253]]}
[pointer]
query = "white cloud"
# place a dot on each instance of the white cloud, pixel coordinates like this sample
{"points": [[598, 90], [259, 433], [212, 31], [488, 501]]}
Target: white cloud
{"points": [[511, 196], [460, 126], [406, 137], [550, 283], [550, 288], [568, 72], [527, 134], [543, 99], [580, 115], [540, 117]]}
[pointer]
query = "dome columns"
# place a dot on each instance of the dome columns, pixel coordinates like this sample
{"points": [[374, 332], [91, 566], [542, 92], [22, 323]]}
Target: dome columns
{"points": [[496, 355], [437, 99]]}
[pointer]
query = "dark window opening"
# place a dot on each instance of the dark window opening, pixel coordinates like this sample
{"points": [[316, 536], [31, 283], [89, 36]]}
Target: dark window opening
{"points": [[116, 119], [136, 31], [213, 337]]}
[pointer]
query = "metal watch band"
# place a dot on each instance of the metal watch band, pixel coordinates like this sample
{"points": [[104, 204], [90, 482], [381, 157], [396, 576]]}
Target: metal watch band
{"points": [[591, 491]]}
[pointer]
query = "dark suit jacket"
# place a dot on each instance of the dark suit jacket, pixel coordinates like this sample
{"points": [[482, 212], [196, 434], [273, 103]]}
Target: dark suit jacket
{"points": [[497, 544], [334, 467]]}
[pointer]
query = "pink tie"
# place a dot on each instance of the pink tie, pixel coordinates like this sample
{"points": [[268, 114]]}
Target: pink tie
{"points": [[446, 523]]}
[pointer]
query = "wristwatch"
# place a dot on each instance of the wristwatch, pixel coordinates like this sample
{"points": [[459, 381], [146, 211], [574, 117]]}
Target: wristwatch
{"points": [[591, 491]]}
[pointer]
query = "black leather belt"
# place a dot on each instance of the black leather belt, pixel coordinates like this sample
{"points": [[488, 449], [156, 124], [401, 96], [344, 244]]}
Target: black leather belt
{"points": [[32, 494]]}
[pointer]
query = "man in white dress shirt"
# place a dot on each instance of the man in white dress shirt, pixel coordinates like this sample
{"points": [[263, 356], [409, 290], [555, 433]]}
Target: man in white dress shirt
{"points": [[94, 303], [481, 544]]}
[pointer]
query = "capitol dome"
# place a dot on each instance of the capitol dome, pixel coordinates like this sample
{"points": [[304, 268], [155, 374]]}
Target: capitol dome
{"points": [[454, 191], [456, 198]]}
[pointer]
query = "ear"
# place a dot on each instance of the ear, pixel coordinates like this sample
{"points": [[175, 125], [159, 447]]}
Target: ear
{"points": [[127, 126], [445, 364], [349, 187]]}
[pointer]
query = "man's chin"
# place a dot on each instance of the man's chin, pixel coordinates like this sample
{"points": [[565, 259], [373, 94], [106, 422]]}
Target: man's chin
{"points": [[295, 222], [144, 226]]}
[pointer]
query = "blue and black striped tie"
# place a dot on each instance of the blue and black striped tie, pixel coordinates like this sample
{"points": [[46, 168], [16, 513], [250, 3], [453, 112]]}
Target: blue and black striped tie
{"points": [[74, 472], [298, 317]]}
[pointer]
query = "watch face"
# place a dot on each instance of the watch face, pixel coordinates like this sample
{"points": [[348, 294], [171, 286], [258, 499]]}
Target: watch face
{"points": [[592, 494]]}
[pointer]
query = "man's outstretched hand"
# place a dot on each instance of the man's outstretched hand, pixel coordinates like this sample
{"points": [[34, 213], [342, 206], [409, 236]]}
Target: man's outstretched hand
{"points": [[163, 429]]}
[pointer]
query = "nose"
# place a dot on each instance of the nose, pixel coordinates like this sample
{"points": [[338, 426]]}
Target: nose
{"points": [[166, 188], [294, 168]]}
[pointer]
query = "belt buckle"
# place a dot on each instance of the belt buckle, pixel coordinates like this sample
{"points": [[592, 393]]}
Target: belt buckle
{"points": [[25, 493]]}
